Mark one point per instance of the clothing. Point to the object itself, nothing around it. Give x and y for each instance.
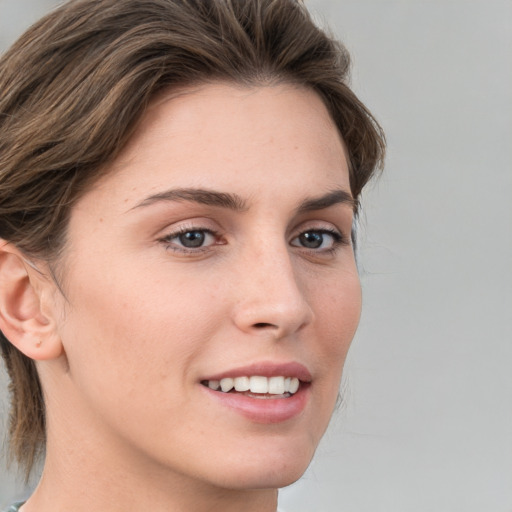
(14, 508)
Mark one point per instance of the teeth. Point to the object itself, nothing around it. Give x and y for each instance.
(213, 384)
(257, 384)
(276, 385)
(294, 385)
(242, 384)
(226, 384)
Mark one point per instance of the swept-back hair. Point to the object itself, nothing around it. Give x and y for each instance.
(74, 87)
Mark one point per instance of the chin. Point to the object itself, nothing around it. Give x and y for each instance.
(270, 472)
(265, 479)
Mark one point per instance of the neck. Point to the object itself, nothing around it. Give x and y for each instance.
(87, 467)
(68, 486)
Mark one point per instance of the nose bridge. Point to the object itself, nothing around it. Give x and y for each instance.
(271, 297)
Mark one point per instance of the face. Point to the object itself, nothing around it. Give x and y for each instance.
(214, 253)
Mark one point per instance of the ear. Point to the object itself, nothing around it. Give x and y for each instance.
(24, 310)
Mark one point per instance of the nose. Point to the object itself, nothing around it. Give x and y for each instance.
(271, 299)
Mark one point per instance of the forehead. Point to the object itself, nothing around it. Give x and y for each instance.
(231, 137)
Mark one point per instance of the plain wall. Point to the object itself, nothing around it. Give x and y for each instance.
(427, 421)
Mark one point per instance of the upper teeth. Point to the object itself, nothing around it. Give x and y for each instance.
(257, 384)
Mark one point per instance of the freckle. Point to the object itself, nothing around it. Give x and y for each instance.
(101, 219)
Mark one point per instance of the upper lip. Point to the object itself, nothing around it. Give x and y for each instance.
(266, 369)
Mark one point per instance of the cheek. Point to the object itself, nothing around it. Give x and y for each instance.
(339, 311)
(128, 348)
(115, 330)
(133, 324)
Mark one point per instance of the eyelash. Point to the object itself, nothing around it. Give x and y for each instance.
(339, 239)
(183, 231)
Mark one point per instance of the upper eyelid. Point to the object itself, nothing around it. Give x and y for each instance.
(186, 229)
(182, 249)
(179, 227)
(169, 237)
(205, 225)
(340, 237)
(318, 225)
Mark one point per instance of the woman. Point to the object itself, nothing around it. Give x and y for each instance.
(178, 185)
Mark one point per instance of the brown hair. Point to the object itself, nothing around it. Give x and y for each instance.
(75, 85)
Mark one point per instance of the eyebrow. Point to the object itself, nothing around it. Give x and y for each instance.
(201, 196)
(236, 203)
(332, 198)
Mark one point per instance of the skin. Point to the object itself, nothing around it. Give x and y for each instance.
(143, 319)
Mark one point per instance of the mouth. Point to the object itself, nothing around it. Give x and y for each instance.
(263, 392)
(257, 386)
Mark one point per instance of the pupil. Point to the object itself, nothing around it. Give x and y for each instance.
(192, 239)
(311, 240)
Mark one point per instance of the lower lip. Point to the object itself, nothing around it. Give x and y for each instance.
(264, 410)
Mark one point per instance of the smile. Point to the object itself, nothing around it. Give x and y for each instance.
(256, 386)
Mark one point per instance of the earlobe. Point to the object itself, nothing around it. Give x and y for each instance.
(22, 320)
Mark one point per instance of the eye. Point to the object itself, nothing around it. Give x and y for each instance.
(189, 239)
(193, 239)
(318, 239)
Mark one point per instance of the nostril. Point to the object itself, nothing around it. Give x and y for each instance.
(263, 325)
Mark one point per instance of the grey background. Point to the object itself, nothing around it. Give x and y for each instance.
(427, 422)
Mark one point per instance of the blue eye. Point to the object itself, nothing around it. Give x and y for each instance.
(190, 239)
(314, 239)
